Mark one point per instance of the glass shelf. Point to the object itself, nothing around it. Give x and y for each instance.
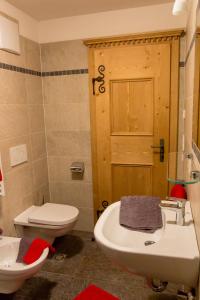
(180, 165)
(183, 182)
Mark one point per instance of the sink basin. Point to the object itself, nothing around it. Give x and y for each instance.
(169, 254)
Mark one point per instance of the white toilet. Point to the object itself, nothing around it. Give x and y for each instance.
(47, 221)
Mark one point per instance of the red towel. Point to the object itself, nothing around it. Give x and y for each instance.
(92, 292)
(35, 250)
(178, 191)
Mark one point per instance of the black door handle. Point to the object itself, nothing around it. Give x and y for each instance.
(162, 150)
(98, 79)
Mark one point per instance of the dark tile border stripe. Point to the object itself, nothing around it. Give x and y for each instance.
(65, 72)
(19, 69)
(42, 74)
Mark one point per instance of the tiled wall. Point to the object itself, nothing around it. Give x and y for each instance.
(22, 122)
(67, 120)
(193, 190)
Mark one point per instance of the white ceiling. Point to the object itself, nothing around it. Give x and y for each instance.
(51, 9)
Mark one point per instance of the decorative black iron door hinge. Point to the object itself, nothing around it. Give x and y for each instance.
(99, 79)
(104, 204)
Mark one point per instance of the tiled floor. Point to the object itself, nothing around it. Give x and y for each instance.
(84, 264)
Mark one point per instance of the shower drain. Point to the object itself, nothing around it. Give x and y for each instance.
(60, 257)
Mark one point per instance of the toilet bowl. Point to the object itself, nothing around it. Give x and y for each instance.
(13, 274)
(47, 221)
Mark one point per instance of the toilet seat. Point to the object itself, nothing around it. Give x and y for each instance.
(53, 214)
(23, 218)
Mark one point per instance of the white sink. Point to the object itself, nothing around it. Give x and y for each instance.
(173, 257)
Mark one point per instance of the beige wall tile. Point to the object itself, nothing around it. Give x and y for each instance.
(11, 208)
(59, 168)
(70, 117)
(189, 73)
(13, 120)
(85, 220)
(22, 122)
(181, 109)
(34, 89)
(62, 117)
(12, 87)
(40, 173)
(64, 89)
(84, 118)
(61, 143)
(68, 143)
(36, 118)
(19, 183)
(193, 190)
(85, 144)
(182, 48)
(32, 55)
(67, 120)
(75, 193)
(27, 201)
(41, 195)
(38, 145)
(64, 55)
(67, 124)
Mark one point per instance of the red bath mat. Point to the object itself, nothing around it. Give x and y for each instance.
(92, 292)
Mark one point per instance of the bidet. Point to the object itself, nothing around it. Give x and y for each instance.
(13, 274)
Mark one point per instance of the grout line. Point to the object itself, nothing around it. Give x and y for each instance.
(196, 151)
(21, 136)
(45, 130)
(190, 47)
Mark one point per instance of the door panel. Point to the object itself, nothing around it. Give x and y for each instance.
(130, 117)
(131, 180)
(131, 104)
(131, 150)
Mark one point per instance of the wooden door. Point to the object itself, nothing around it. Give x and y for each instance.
(131, 117)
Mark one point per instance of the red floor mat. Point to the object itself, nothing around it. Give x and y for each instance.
(92, 292)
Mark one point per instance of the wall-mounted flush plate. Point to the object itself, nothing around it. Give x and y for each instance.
(18, 155)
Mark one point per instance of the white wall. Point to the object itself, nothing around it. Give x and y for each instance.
(28, 27)
(126, 21)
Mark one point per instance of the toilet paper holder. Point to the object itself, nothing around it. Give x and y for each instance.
(77, 167)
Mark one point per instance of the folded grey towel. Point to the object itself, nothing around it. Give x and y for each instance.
(23, 247)
(141, 213)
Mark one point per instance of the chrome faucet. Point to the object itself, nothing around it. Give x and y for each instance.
(177, 205)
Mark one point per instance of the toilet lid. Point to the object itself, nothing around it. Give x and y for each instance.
(54, 214)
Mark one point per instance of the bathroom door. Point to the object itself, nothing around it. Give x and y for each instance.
(131, 115)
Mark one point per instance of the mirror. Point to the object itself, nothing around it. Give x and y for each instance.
(196, 92)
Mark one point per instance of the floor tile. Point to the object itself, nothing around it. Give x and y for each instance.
(83, 263)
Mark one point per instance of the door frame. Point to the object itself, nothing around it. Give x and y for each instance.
(170, 37)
